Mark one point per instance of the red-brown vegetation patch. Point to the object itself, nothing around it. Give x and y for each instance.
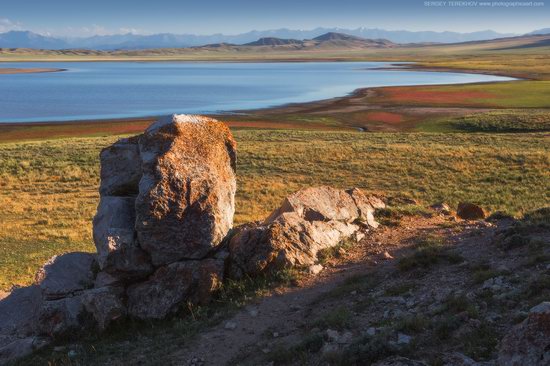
(444, 97)
(385, 117)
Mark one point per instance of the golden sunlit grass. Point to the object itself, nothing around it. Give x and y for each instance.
(48, 189)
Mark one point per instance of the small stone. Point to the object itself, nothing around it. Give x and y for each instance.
(387, 255)
(370, 331)
(403, 338)
(333, 335)
(315, 269)
(230, 325)
(275, 334)
(345, 338)
(72, 353)
(253, 312)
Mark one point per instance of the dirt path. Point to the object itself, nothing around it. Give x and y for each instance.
(281, 316)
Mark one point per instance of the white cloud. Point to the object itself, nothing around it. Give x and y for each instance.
(7, 25)
(95, 30)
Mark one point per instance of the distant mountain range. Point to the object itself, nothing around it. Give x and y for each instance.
(27, 39)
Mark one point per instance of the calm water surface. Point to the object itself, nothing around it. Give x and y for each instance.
(100, 90)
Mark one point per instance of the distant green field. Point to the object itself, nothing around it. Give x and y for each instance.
(48, 189)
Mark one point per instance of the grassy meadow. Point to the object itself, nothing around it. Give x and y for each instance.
(48, 188)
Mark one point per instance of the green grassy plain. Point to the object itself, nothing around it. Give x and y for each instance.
(48, 189)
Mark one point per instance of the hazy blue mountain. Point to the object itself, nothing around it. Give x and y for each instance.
(539, 31)
(25, 39)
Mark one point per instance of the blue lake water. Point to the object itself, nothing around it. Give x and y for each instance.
(101, 90)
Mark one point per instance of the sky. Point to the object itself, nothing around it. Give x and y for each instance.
(90, 17)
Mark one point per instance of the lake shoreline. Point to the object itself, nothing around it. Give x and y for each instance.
(13, 70)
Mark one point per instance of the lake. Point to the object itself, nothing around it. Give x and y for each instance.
(103, 90)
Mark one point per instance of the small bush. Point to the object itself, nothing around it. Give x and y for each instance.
(338, 318)
(365, 351)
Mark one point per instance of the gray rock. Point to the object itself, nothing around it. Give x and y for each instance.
(66, 274)
(528, 343)
(308, 221)
(398, 361)
(105, 279)
(62, 317)
(458, 359)
(12, 348)
(115, 239)
(403, 339)
(120, 168)
(105, 305)
(18, 311)
(172, 286)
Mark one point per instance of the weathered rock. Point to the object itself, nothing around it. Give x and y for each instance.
(120, 168)
(528, 343)
(18, 311)
(115, 239)
(470, 211)
(62, 317)
(458, 359)
(12, 348)
(398, 361)
(105, 279)
(308, 221)
(105, 305)
(327, 203)
(186, 195)
(66, 274)
(172, 286)
(287, 242)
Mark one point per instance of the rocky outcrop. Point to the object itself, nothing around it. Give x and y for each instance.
(528, 343)
(161, 232)
(166, 204)
(307, 222)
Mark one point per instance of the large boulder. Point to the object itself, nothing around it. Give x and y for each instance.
(174, 285)
(118, 252)
(66, 274)
(186, 195)
(166, 195)
(528, 343)
(307, 222)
